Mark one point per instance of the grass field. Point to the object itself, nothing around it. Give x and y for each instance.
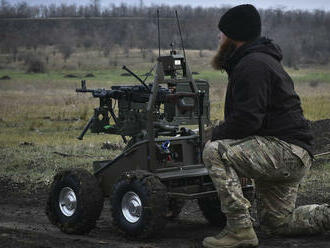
(41, 115)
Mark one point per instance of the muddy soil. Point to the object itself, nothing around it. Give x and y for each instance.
(23, 223)
(321, 133)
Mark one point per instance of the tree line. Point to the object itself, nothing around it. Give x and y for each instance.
(303, 36)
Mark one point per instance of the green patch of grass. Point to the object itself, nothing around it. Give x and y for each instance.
(213, 77)
(311, 75)
(101, 76)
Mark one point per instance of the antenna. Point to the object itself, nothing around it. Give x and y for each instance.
(158, 33)
(177, 19)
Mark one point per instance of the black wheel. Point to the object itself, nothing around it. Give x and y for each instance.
(139, 206)
(211, 209)
(174, 208)
(75, 201)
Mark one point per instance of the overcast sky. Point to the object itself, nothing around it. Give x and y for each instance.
(286, 4)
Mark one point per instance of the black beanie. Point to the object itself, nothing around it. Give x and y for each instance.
(241, 23)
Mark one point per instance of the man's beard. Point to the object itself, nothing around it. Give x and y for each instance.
(220, 60)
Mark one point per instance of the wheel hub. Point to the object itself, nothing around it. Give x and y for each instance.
(67, 201)
(131, 207)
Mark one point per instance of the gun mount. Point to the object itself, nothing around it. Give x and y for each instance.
(176, 100)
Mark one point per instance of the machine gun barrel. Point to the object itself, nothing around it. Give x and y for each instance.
(85, 90)
(83, 87)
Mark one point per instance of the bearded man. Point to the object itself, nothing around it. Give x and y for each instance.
(264, 136)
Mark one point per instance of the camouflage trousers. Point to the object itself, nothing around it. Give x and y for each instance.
(277, 169)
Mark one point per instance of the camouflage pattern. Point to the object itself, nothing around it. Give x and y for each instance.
(277, 169)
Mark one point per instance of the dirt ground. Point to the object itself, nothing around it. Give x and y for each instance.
(23, 223)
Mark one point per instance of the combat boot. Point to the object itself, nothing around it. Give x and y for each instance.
(245, 237)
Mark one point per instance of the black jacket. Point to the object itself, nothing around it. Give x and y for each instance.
(261, 99)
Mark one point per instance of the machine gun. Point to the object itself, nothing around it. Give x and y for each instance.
(132, 104)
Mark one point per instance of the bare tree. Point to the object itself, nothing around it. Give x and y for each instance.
(96, 7)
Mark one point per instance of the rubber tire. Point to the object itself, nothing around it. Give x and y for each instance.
(174, 208)
(211, 209)
(89, 201)
(153, 195)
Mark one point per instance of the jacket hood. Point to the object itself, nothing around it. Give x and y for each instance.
(260, 45)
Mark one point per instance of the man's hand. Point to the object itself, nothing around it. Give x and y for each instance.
(209, 130)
